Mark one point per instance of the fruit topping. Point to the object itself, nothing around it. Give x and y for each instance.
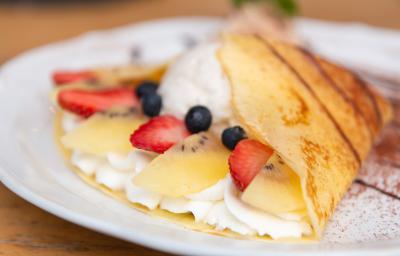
(64, 77)
(151, 104)
(232, 135)
(196, 163)
(198, 119)
(247, 160)
(104, 132)
(146, 87)
(159, 134)
(85, 103)
(276, 189)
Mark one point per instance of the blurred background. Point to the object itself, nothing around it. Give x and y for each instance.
(27, 230)
(28, 23)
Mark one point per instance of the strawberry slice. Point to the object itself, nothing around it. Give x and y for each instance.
(246, 160)
(159, 134)
(64, 77)
(86, 103)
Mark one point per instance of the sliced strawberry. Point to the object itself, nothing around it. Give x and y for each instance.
(86, 103)
(246, 160)
(64, 77)
(159, 134)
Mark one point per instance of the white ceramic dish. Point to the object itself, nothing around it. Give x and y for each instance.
(31, 166)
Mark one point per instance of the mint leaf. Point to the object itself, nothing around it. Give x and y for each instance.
(239, 3)
(287, 7)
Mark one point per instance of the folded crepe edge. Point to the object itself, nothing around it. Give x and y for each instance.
(290, 65)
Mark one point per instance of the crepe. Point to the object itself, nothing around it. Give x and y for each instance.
(320, 118)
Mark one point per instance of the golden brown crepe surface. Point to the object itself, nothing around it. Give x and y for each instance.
(319, 117)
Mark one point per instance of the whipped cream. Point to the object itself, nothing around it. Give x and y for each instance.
(121, 162)
(70, 121)
(221, 218)
(213, 193)
(141, 196)
(87, 163)
(111, 177)
(197, 79)
(199, 209)
(261, 221)
(104, 171)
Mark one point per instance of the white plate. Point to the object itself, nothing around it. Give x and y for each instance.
(31, 166)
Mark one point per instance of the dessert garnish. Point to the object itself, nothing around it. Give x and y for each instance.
(67, 77)
(146, 87)
(86, 103)
(247, 160)
(150, 100)
(232, 135)
(198, 119)
(159, 134)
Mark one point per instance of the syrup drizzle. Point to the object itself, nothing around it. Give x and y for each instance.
(337, 88)
(365, 184)
(371, 97)
(303, 82)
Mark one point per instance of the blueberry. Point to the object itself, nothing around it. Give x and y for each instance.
(146, 87)
(198, 119)
(151, 104)
(232, 135)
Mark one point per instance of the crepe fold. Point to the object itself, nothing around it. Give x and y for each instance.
(319, 117)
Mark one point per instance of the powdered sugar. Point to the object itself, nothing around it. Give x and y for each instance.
(370, 210)
(364, 215)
